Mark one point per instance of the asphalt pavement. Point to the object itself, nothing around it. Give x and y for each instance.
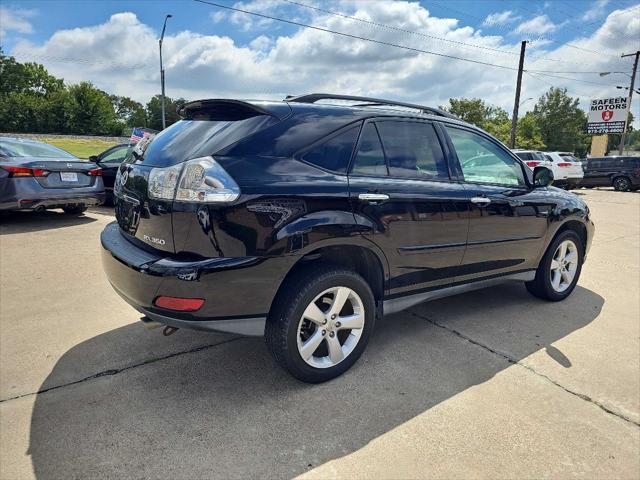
(489, 384)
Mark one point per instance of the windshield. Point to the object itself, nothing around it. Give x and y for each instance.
(17, 148)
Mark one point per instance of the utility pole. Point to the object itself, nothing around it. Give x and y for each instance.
(626, 118)
(164, 122)
(516, 104)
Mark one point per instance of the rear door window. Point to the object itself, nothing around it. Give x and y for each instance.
(412, 149)
(369, 159)
(334, 154)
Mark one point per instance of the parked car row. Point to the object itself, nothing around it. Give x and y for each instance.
(567, 170)
(619, 172)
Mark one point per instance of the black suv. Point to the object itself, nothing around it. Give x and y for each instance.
(304, 222)
(621, 173)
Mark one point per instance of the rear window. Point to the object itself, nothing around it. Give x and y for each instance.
(13, 148)
(189, 139)
(334, 154)
(524, 155)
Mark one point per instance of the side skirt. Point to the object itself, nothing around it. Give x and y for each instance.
(402, 303)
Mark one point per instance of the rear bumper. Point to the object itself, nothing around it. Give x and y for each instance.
(27, 194)
(238, 292)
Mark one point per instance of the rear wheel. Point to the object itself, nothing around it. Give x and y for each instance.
(560, 268)
(621, 184)
(74, 209)
(320, 323)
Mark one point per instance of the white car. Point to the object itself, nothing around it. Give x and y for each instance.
(567, 170)
(533, 158)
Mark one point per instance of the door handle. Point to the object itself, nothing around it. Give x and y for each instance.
(481, 201)
(373, 197)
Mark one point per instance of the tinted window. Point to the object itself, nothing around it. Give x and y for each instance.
(197, 138)
(483, 161)
(412, 149)
(370, 158)
(524, 155)
(632, 162)
(334, 154)
(116, 156)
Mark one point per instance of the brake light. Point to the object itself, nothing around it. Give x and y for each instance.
(179, 304)
(564, 164)
(95, 172)
(532, 163)
(25, 172)
(195, 181)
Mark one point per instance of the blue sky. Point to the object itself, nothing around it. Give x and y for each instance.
(52, 15)
(210, 52)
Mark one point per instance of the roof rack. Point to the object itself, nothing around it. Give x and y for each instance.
(368, 101)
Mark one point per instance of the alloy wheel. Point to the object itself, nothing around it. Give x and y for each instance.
(621, 184)
(564, 266)
(330, 327)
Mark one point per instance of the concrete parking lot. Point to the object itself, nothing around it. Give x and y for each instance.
(491, 384)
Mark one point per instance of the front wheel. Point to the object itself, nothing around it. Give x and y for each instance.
(560, 268)
(320, 323)
(621, 184)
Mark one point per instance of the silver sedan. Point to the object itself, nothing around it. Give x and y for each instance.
(37, 176)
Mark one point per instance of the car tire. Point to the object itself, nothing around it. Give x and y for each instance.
(74, 209)
(294, 329)
(558, 273)
(621, 184)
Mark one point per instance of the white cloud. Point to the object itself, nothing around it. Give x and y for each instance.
(217, 17)
(500, 18)
(15, 20)
(596, 10)
(537, 25)
(201, 66)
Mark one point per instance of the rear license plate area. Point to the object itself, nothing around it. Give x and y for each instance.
(69, 177)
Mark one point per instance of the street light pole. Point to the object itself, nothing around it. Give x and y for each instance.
(164, 26)
(626, 118)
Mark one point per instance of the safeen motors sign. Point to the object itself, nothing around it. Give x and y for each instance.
(607, 115)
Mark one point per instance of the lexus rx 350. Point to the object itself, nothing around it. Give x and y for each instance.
(305, 220)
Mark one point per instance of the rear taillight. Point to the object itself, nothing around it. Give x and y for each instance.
(532, 163)
(199, 180)
(25, 172)
(564, 164)
(95, 172)
(179, 304)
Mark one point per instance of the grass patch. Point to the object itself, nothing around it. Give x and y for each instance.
(81, 148)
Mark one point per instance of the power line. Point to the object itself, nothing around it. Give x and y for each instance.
(349, 35)
(576, 71)
(555, 86)
(37, 57)
(357, 37)
(570, 78)
(398, 29)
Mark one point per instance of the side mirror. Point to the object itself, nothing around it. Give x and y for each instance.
(93, 158)
(542, 177)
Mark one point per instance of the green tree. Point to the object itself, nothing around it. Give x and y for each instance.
(528, 133)
(494, 120)
(92, 112)
(613, 142)
(154, 111)
(561, 121)
(128, 111)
